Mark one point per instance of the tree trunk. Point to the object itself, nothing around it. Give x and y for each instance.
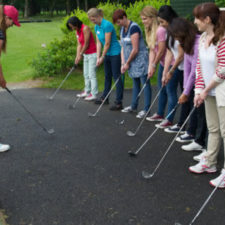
(86, 5)
(78, 3)
(68, 7)
(26, 9)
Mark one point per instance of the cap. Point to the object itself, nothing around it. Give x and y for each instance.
(12, 12)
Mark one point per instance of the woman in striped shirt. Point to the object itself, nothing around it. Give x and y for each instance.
(210, 84)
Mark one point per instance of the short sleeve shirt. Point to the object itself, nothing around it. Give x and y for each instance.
(160, 36)
(134, 29)
(107, 27)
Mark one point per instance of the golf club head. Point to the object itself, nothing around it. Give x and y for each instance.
(50, 98)
(51, 131)
(71, 107)
(132, 154)
(147, 175)
(122, 122)
(130, 133)
(91, 114)
(177, 223)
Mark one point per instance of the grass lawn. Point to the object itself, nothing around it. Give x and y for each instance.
(25, 42)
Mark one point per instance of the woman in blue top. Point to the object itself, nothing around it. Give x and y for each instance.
(134, 57)
(106, 39)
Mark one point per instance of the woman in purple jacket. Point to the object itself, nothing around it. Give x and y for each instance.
(186, 33)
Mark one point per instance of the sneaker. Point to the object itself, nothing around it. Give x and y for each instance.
(174, 129)
(141, 114)
(193, 146)
(90, 97)
(219, 181)
(185, 138)
(116, 107)
(4, 147)
(100, 100)
(155, 117)
(201, 167)
(82, 94)
(200, 156)
(164, 124)
(128, 109)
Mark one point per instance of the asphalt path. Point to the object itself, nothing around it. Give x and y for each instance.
(83, 175)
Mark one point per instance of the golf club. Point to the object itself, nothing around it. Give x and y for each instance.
(148, 175)
(131, 133)
(50, 131)
(68, 74)
(106, 97)
(143, 87)
(73, 106)
(133, 154)
(205, 203)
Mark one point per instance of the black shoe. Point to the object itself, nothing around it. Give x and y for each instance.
(116, 107)
(100, 100)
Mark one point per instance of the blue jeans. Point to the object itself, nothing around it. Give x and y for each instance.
(168, 93)
(112, 65)
(136, 89)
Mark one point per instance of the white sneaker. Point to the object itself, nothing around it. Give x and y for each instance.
(4, 147)
(90, 97)
(127, 109)
(219, 181)
(200, 156)
(141, 114)
(201, 167)
(185, 138)
(193, 146)
(82, 94)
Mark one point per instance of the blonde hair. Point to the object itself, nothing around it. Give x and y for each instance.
(95, 12)
(150, 32)
(3, 26)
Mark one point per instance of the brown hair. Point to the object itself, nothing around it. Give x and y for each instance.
(3, 26)
(217, 17)
(118, 14)
(185, 31)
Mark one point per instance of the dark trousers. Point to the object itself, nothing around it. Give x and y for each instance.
(112, 65)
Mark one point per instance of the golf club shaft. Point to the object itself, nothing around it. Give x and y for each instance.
(139, 149)
(75, 103)
(142, 121)
(206, 201)
(68, 74)
(173, 140)
(117, 80)
(25, 108)
(143, 87)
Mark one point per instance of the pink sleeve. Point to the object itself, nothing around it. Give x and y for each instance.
(161, 34)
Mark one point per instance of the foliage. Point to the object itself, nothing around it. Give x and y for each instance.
(58, 57)
(220, 3)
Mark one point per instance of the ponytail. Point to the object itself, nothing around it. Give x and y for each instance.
(219, 28)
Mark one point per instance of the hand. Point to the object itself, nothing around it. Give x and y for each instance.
(151, 72)
(164, 81)
(204, 94)
(99, 61)
(169, 75)
(2, 82)
(197, 100)
(182, 99)
(78, 59)
(122, 69)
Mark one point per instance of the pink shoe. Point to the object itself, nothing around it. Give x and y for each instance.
(164, 124)
(155, 117)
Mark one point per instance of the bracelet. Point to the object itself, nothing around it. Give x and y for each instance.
(153, 65)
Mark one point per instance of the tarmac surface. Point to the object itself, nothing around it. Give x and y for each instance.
(83, 175)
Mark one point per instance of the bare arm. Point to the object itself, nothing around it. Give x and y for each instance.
(134, 51)
(2, 79)
(87, 35)
(99, 48)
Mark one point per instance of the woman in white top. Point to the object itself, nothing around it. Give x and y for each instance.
(210, 84)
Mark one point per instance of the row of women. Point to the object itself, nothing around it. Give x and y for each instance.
(189, 55)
